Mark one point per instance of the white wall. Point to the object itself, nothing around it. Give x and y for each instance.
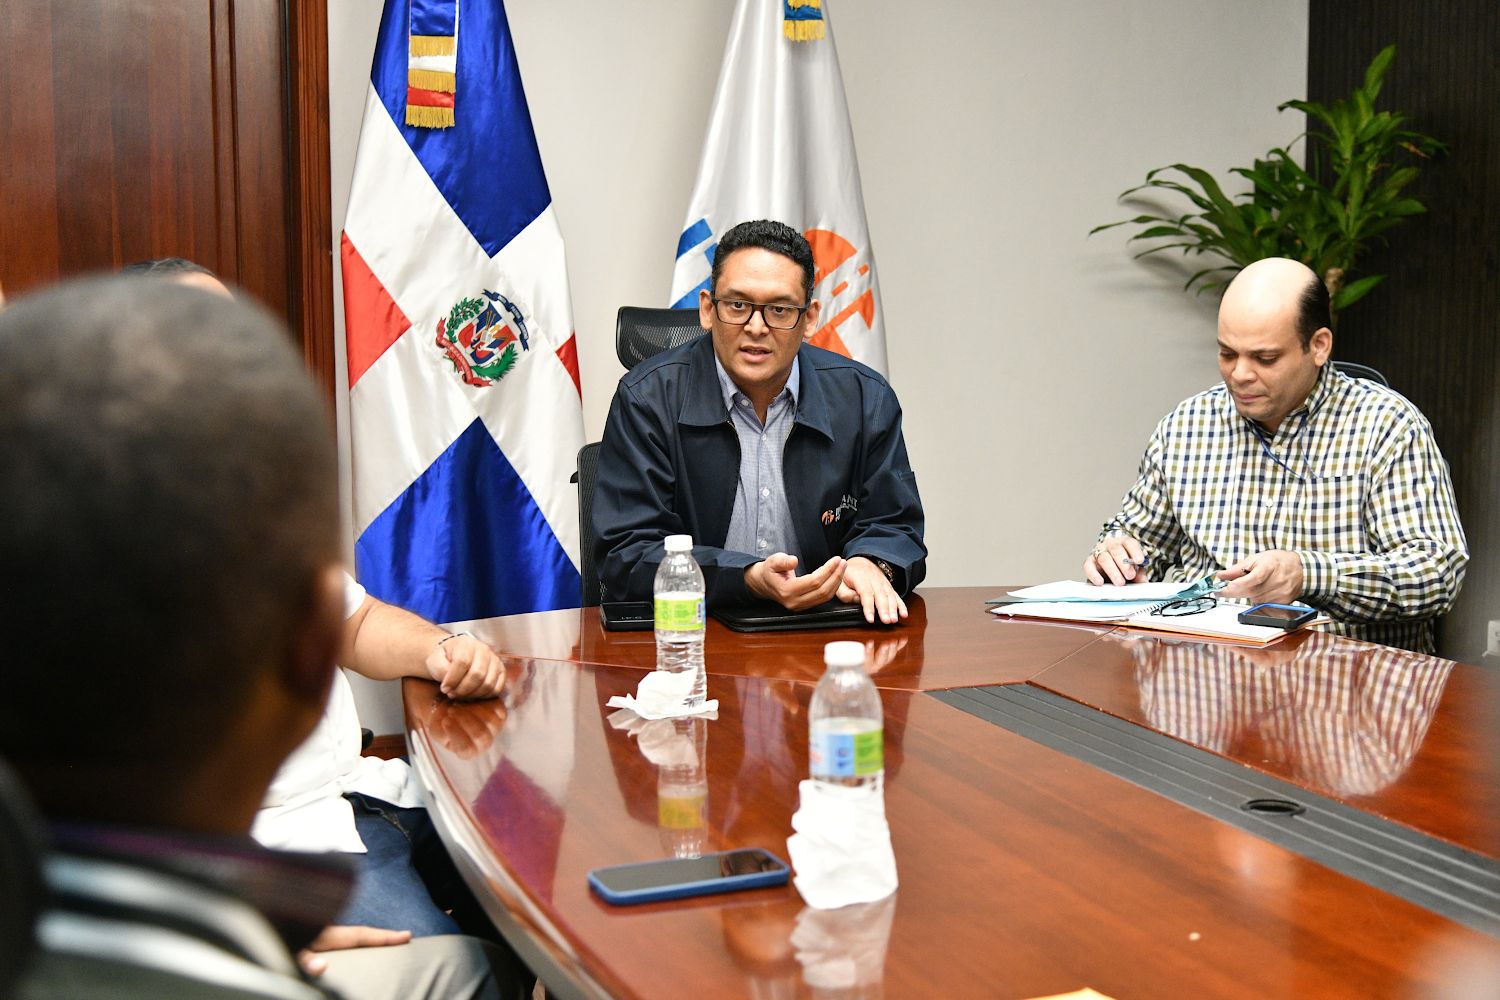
(1032, 362)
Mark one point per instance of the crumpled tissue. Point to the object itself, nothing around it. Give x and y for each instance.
(842, 848)
(663, 695)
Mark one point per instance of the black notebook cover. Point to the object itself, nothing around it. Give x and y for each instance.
(769, 617)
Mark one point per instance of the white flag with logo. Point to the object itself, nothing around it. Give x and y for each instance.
(780, 147)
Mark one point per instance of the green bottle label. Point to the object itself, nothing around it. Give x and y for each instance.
(869, 753)
(680, 614)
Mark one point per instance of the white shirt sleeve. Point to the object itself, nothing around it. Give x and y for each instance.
(354, 595)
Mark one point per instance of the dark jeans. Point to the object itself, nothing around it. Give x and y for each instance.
(406, 880)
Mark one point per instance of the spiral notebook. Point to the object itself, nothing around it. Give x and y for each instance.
(1219, 623)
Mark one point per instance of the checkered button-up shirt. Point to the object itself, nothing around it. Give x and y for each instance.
(1352, 481)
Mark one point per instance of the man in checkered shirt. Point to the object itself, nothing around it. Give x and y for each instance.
(1293, 481)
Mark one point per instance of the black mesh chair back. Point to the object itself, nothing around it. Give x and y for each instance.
(1361, 371)
(588, 471)
(641, 333)
(21, 886)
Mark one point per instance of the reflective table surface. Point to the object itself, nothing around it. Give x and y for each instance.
(1024, 872)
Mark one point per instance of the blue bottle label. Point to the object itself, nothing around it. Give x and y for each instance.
(846, 755)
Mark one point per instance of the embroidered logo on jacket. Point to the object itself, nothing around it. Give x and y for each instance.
(848, 503)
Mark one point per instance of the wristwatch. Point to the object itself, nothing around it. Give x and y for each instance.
(885, 567)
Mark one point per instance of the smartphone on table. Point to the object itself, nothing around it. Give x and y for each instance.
(627, 616)
(1287, 616)
(676, 878)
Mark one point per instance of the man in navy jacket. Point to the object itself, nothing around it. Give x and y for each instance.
(771, 453)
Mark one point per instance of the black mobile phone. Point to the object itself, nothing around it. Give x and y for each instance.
(627, 616)
(1287, 616)
(675, 878)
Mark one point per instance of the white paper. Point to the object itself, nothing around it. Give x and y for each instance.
(1076, 611)
(1079, 590)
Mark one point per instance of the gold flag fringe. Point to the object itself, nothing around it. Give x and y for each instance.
(430, 79)
(425, 116)
(803, 31)
(433, 45)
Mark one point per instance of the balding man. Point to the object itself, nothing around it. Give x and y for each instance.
(1292, 481)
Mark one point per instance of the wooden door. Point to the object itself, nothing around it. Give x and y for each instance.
(157, 128)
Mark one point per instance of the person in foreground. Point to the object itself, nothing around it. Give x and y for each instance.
(327, 796)
(174, 641)
(776, 456)
(1292, 481)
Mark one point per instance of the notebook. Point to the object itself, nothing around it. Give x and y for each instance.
(1219, 623)
(1071, 591)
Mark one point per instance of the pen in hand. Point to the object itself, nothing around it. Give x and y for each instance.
(1117, 561)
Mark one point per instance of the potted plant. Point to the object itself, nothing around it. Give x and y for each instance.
(1359, 163)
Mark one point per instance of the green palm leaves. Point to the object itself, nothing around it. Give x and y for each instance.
(1360, 163)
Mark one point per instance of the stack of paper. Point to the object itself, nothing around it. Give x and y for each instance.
(1135, 606)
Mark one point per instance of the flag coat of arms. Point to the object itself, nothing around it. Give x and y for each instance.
(780, 147)
(464, 399)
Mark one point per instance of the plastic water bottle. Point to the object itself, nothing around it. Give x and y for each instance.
(679, 614)
(846, 745)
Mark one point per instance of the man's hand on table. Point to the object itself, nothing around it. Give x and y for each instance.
(866, 584)
(775, 578)
(466, 668)
(1273, 576)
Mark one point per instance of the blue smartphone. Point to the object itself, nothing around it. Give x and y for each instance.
(676, 878)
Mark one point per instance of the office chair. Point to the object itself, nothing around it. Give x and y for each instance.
(641, 332)
(21, 887)
(1361, 371)
(588, 469)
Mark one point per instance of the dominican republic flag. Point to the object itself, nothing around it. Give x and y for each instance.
(463, 372)
(780, 147)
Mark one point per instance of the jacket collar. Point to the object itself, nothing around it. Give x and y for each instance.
(703, 403)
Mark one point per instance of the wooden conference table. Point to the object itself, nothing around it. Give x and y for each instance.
(1025, 870)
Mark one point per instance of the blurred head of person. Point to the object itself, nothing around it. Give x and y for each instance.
(168, 512)
(181, 271)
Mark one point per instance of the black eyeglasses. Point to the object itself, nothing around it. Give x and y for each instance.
(737, 312)
(1177, 609)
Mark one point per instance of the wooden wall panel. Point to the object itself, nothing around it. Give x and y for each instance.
(160, 128)
(29, 250)
(113, 158)
(261, 167)
(312, 216)
(1434, 326)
